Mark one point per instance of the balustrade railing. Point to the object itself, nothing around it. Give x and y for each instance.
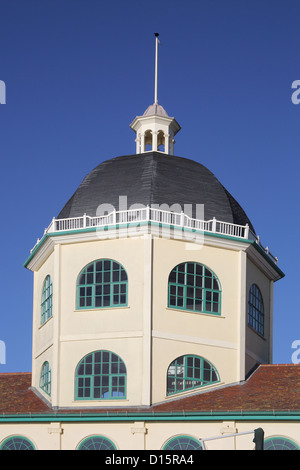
(149, 214)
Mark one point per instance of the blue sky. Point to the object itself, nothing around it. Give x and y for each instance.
(77, 72)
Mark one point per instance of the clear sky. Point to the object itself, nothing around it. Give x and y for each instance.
(77, 72)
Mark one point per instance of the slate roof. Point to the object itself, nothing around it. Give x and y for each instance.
(155, 178)
(274, 388)
(155, 110)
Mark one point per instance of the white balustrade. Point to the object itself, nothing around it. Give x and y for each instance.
(149, 214)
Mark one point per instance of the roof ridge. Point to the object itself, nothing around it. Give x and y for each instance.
(15, 373)
(288, 364)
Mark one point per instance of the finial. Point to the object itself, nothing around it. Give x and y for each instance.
(156, 63)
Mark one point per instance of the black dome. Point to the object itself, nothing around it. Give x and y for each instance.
(154, 178)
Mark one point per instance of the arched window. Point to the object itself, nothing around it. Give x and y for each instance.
(256, 310)
(100, 375)
(148, 141)
(183, 443)
(17, 443)
(161, 141)
(46, 303)
(97, 443)
(45, 379)
(193, 286)
(103, 283)
(188, 372)
(280, 443)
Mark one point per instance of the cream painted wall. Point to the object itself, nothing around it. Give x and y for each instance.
(43, 335)
(129, 349)
(146, 334)
(74, 257)
(258, 348)
(132, 435)
(179, 332)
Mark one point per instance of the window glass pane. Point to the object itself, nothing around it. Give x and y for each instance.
(99, 266)
(190, 292)
(181, 268)
(101, 278)
(183, 443)
(179, 384)
(256, 309)
(198, 306)
(89, 291)
(189, 283)
(107, 265)
(199, 269)
(173, 290)
(123, 288)
(188, 372)
(190, 268)
(101, 375)
(46, 300)
(215, 307)
(106, 289)
(17, 443)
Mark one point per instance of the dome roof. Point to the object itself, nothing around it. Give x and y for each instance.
(154, 178)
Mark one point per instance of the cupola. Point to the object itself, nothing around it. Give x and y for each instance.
(155, 129)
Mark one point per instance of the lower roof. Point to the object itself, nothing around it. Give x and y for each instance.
(271, 388)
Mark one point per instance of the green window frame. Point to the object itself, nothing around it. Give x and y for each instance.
(97, 443)
(189, 372)
(280, 443)
(45, 378)
(101, 375)
(193, 286)
(183, 443)
(17, 443)
(256, 313)
(47, 301)
(102, 284)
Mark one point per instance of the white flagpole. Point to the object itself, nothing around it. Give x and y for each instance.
(156, 67)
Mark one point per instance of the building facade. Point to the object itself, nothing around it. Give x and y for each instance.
(152, 315)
